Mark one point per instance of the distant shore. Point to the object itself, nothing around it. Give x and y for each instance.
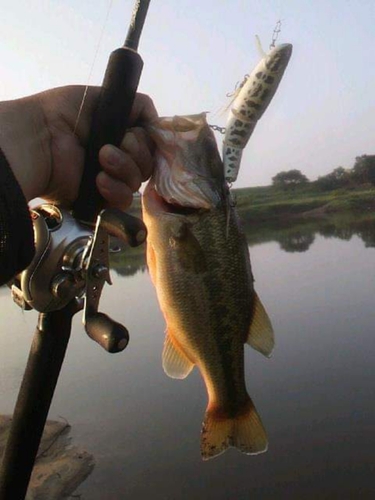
(268, 203)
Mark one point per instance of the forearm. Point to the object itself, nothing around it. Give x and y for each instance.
(24, 139)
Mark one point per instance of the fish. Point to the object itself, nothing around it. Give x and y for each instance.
(249, 104)
(199, 262)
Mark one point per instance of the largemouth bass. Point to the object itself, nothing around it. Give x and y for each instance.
(199, 263)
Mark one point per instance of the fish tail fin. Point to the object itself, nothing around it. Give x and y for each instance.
(244, 432)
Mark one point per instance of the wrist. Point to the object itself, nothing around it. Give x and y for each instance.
(24, 139)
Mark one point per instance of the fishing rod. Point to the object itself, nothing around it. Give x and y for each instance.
(71, 267)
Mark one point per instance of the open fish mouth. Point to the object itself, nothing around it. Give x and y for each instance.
(181, 176)
(179, 187)
(157, 203)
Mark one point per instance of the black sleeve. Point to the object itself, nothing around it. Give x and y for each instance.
(16, 230)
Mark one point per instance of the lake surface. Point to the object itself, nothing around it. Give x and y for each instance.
(315, 395)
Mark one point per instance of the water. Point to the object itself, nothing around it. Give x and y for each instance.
(315, 395)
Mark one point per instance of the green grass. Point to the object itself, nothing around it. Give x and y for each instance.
(262, 203)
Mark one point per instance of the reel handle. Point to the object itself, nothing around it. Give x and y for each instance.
(124, 226)
(109, 334)
(112, 336)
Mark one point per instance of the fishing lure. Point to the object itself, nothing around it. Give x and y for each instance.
(250, 102)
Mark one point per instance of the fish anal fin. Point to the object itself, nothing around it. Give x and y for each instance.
(175, 362)
(260, 336)
(244, 432)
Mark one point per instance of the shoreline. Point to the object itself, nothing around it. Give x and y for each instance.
(266, 204)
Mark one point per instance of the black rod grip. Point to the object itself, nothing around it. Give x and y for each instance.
(109, 124)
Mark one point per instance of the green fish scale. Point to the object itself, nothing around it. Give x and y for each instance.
(213, 300)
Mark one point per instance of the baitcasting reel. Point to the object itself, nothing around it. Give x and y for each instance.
(71, 262)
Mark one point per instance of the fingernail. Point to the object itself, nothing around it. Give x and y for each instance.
(130, 143)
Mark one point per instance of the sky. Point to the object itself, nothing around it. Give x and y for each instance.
(194, 53)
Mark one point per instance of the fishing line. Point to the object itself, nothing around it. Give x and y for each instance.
(92, 66)
(275, 34)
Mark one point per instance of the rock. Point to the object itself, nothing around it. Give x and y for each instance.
(59, 467)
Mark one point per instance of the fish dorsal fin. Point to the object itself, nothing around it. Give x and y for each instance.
(175, 363)
(260, 337)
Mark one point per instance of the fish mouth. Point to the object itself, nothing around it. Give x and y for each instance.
(181, 175)
(180, 188)
(156, 203)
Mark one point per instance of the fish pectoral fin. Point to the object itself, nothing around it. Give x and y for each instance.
(188, 250)
(151, 262)
(175, 363)
(260, 337)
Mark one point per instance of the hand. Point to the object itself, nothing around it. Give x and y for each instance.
(45, 147)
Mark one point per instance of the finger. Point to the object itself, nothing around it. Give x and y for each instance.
(138, 144)
(143, 110)
(121, 166)
(115, 192)
(71, 107)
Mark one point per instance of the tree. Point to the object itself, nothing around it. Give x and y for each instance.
(364, 169)
(289, 179)
(339, 177)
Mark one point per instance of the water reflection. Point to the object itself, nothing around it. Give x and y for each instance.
(293, 236)
(300, 234)
(125, 260)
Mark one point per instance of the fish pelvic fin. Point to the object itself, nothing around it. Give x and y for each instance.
(260, 336)
(175, 363)
(244, 432)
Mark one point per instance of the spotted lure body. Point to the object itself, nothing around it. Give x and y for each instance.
(250, 104)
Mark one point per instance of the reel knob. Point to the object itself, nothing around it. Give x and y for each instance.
(109, 334)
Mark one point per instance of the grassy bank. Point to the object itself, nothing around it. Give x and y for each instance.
(269, 203)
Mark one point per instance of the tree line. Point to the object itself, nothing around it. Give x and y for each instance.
(362, 172)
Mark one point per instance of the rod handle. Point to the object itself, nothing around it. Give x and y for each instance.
(109, 124)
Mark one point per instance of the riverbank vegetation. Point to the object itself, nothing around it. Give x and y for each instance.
(293, 195)
(268, 202)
